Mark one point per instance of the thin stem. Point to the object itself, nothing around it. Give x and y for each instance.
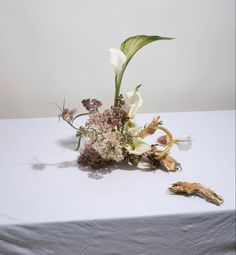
(117, 90)
(79, 115)
(57, 106)
(70, 123)
(118, 80)
(79, 142)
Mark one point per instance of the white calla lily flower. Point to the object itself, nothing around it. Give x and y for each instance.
(132, 128)
(184, 142)
(134, 131)
(133, 101)
(139, 147)
(117, 58)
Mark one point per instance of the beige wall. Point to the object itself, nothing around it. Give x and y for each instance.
(55, 48)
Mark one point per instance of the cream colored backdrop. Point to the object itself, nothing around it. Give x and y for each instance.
(51, 49)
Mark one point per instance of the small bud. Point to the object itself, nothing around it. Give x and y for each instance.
(163, 140)
(68, 114)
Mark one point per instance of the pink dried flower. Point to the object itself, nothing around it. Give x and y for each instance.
(90, 157)
(68, 114)
(109, 119)
(91, 105)
(120, 101)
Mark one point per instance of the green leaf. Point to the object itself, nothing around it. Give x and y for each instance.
(131, 45)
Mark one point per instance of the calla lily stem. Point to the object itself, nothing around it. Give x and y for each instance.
(118, 80)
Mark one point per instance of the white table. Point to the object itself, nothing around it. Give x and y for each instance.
(50, 206)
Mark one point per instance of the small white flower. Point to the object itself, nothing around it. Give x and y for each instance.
(138, 147)
(133, 101)
(184, 142)
(117, 58)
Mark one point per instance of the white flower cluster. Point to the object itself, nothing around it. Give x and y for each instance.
(109, 145)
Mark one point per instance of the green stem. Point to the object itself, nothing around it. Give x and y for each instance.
(72, 125)
(118, 80)
(82, 114)
(79, 115)
(117, 91)
(78, 146)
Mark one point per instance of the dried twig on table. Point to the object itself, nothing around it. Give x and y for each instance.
(197, 189)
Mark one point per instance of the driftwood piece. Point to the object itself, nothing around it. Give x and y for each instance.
(157, 157)
(197, 189)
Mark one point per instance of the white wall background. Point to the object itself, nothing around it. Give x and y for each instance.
(55, 48)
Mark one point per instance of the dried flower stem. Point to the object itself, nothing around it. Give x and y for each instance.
(79, 115)
(72, 125)
(171, 138)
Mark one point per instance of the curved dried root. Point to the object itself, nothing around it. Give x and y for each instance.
(157, 157)
(190, 189)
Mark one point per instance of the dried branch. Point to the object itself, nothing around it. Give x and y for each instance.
(190, 189)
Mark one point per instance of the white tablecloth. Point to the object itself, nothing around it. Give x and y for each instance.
(48, 205)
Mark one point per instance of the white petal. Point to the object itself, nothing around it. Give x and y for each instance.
(140, 147)
(133, 101)
(136, 104)
(134, 131)
(184, 146)
(184, 142)
(132, 128)
(117, 58)
(184, 137)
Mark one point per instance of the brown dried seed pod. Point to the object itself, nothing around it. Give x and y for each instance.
(170, 163)
(151, 128)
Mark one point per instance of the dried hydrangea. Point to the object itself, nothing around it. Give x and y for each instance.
(90, 157)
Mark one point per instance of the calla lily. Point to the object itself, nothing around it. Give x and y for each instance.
(134, 131)
(132, 128)
(117, 58)
(184, 142)
(133, 101)
(138, 147)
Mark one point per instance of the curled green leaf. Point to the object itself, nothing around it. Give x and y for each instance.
(132, 44)
(129, 47)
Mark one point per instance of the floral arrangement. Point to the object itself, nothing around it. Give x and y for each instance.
(112, 136)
